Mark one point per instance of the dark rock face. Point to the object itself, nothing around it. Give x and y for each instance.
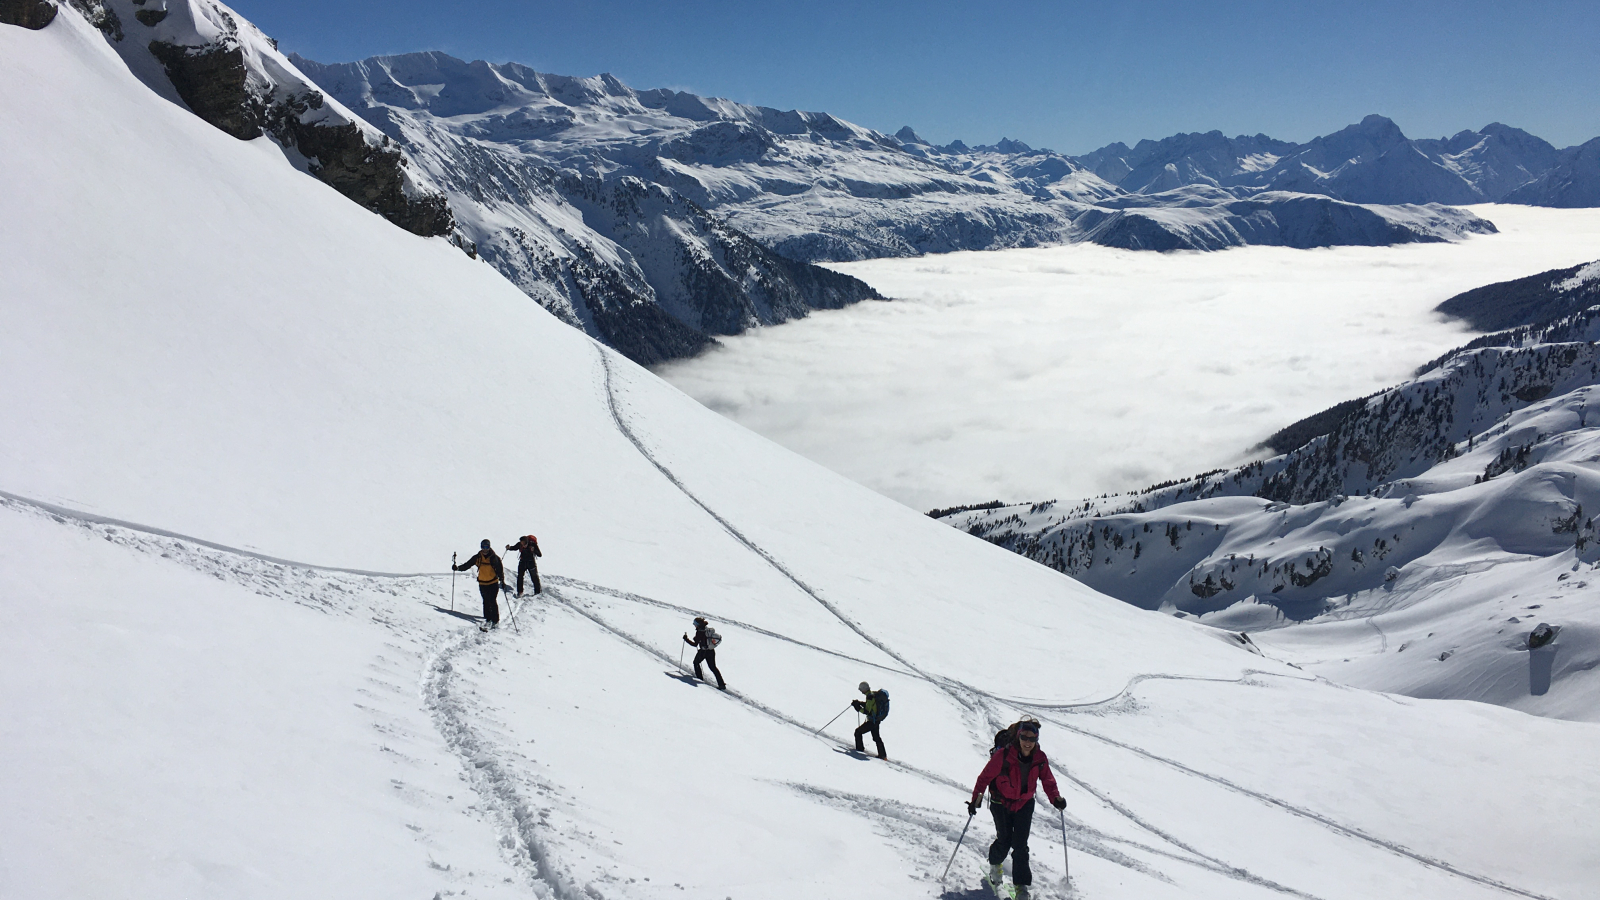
(150, 18)
(214, 83)
(371, 176)
(100, 16)
(30, 14)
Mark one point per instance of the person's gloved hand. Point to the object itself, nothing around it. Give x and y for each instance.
(1059, 803)
(972, 808)
(855, 705)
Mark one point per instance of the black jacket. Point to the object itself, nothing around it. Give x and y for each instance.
(499, 570)
(527, 548)
(700, 639)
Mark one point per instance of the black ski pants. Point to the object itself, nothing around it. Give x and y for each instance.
(709, 657)
(870, 727)
(528, 564)
(491, 608)
(1011, 834)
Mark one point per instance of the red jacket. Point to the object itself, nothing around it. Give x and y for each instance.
(1014, 777)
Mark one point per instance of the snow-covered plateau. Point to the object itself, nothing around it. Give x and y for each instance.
(245, 423)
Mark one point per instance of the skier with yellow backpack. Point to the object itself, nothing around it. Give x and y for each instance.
(491, 578)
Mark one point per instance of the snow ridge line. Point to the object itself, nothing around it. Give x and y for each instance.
(627, 432)
(489, 778)
(1326, 822)
(662, 604)
(93, 519)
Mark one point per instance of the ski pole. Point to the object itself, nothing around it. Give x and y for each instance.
(1066, 873)
(452, 582)
(832, 720)
(512, 606)
(958, 847)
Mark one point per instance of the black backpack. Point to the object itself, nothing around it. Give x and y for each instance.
(1004, 739)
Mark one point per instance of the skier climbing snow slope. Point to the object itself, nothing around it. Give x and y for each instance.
(238, 726)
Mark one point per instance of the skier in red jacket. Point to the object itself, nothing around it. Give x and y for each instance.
(1015, 765)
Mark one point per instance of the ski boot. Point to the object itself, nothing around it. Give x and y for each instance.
(996, 880)
(1019, 892)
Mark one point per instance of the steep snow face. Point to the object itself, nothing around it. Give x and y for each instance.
(295, 379)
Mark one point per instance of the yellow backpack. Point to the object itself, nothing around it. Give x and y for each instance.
(486, 569)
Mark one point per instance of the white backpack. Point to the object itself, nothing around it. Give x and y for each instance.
(712, 638)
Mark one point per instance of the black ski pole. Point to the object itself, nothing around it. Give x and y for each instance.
(1066, 873)
(833, 720)
(452, 582)
(958, 846)
(510, 605)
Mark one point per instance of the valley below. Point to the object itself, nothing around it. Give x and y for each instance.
(1066, 372)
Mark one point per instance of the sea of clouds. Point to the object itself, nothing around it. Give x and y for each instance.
(1071, 371)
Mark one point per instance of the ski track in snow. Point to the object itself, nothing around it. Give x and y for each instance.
(491, 780)
(972, 699)
(309, 584)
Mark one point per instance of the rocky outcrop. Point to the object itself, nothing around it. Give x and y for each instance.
(372, 175)
(214, 83)
(30, 14)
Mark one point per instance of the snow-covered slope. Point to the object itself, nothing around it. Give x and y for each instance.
(1417, 518)
(285, 377)
(203, 56)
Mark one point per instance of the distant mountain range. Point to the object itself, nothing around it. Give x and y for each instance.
(656, 220)
(1370, 162)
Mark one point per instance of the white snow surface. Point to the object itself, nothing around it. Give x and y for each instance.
(1065, 372)
(205, 341)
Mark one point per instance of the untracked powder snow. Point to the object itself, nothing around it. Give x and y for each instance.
(1065, 372)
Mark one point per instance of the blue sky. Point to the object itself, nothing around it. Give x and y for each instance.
(1065, 75)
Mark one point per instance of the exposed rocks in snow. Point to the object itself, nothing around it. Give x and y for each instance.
(30, 14)
(223, 69)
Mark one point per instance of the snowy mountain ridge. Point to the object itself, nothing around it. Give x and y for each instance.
(806, 186)
(1369, 162)
(1422, 507)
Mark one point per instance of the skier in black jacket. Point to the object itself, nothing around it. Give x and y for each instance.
(707, 651)
(527, 561)
(491, 578)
